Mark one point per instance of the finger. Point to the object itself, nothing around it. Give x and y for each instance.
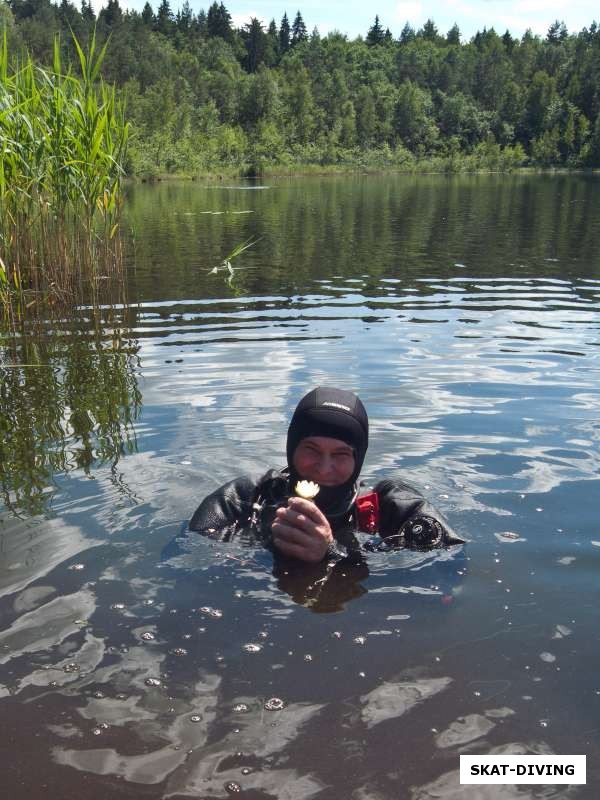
(295, 519)
(297, 551)
(308, 508)
(291, 534)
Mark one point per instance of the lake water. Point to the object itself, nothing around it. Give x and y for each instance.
(465, 313)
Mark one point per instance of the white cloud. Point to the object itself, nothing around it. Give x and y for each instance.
(239, 20)
(411, 11)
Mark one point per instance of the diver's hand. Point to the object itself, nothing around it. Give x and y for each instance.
(301, 530)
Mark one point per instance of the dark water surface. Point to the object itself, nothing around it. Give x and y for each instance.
(465, 312)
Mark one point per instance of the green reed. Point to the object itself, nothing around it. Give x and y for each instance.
(63, 140)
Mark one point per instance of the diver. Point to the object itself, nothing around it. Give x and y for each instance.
(312, 510)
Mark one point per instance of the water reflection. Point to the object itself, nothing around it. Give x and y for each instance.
(69, 398)
(477, 359)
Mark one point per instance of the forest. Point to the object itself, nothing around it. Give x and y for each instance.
(205, 97)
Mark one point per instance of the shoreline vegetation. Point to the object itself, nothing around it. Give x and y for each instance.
(205, 98)
(63, 139)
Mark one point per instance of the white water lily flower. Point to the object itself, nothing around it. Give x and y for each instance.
(307, 489)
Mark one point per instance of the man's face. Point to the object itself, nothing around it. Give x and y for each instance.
(326, 461)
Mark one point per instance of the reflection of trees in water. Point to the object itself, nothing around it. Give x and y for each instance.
(69, 398)
(363, 227)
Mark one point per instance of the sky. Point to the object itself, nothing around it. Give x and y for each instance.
(354, 17)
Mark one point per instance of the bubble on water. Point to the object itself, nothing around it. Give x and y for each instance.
(238, 594)
(232, 787)
(508, 536)
(77, 567)
(336, 635)
(121, 696)
(477, 694)
(246, 771)
(359, 639)
(561, 631)
(100, 728)
(98, 695)
(539, 509)
(196, 718)
(548, 657)
(308, 657)
(71, 667)
(53, 684)
(148, 636)
(252, 648)
(178, 651)
(544, 723)
(118, 606)
(149, 602)
(274, 704)
(240, 708)
(153, 682)
(81, 622)
(263, 635)
(210, 611)
(362, 675)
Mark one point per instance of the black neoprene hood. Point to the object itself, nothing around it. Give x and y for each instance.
(336, 413)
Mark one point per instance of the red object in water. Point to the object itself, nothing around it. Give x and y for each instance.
(367, 508)
(447, 599)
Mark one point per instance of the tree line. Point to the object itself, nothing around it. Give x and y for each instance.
(205, 96)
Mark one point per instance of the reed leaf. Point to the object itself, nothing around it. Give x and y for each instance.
(63, 140)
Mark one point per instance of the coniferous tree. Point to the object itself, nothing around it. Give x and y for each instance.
(557, 33)
(429, 31)
(87, 12)
(218, 22)
(376, 34)
(284, 35)
(271, 56)
(164, 18)
(255, 42)
(111, 15)
(508, 42)
(299, 32)
(199, 24)
(148, 15)
(408, 34)
(453, 35)
(184, 18)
